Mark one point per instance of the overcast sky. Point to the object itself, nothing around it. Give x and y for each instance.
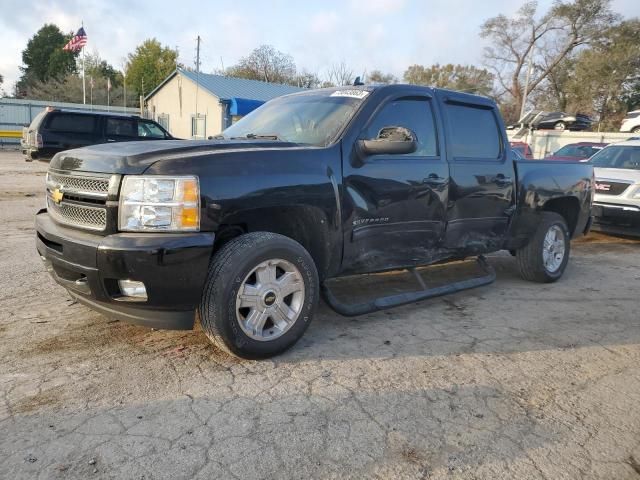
(366, 34)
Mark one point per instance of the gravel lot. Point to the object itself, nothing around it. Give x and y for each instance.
(513, 380)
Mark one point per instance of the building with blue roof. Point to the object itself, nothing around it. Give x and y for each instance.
(199, 105)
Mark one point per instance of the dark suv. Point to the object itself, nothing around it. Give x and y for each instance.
(54, 130)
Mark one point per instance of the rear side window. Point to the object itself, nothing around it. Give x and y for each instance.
(123, 127)
(473, 132)
(71, 122)
(412, 113)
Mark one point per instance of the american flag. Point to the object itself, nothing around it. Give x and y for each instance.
(78, 41)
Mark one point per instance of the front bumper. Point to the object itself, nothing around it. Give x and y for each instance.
(173, 268)
(617, 219)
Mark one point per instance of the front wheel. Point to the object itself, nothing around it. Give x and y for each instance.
(544, 259)
(260, 295)
(560, 126)
(635, 130)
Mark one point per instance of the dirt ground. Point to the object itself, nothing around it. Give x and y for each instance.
(510, 381)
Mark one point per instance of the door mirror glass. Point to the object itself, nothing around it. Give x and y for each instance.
(390, 140)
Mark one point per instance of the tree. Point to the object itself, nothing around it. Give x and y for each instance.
(69, 89)
(150, 64)
(338, 74)
(464, 78)
(43, 58)
(550, 38)
(606, 81)
(266, 64)
(99, 68)
(376, 76)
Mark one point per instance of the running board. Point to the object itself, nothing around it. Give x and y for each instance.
(382, 303)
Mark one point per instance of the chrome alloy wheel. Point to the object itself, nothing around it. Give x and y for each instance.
(553, 249)
(270, 299)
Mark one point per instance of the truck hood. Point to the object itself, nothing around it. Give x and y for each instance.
(135, 157)
(624, 174)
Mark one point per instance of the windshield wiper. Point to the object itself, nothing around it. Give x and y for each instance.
(253, 136)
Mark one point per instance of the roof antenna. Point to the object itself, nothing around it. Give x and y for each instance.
(357, 82)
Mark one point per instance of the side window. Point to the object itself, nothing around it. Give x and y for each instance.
(121, 127)
(414, 114)
(70, 122)
(149, 130)
(473, 131)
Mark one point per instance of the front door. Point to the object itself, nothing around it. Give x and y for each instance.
(394, 205)
(481, 193)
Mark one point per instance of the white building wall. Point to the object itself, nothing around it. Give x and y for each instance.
(177, 99)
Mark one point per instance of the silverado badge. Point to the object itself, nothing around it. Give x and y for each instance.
(57, 195)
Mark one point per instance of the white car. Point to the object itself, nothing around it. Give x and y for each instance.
(616, 204)
(631, 122)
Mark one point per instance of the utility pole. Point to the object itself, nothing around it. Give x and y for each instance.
(197, 82)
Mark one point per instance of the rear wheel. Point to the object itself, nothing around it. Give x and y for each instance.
(545, 257)
(635, 130)
(560, 126)
(260, 295)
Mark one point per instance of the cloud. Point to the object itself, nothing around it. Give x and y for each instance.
(324, 22)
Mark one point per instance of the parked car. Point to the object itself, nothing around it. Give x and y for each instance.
(523, 148)
(562, 121)
(248, 229)
(616, 207)
(631, 122)
(578, 152)
(54, 130)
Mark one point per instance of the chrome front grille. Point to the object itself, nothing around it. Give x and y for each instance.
(91, 218)
(80, 199)
(79, 185)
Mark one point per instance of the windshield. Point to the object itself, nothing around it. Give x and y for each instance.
(312, 119)
(578, 151)
(618, 157)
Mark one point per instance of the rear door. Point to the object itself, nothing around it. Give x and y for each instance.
(120, 129)
(395, 204)
(65, 130)
(481, 193)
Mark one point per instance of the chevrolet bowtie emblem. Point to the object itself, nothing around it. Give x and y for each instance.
(57, 195)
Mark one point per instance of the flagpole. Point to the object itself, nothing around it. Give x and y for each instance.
(84, 88)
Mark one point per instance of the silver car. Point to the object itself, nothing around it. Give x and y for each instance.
(616, 205)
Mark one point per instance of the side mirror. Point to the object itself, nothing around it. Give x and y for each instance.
(390, 141)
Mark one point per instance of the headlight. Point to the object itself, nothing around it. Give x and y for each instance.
(159, 203)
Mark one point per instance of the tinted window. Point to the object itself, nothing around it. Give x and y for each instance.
(473, 132)
(149, 130)
(414, 114)
(70, 122)
(123, 127)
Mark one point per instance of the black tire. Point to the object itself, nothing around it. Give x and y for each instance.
(635, 130)
(228, 270)
(561, 126)
(530, 257)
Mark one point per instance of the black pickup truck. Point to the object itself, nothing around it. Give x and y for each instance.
(245, 230)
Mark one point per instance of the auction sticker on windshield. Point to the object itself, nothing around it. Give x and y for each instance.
(350, 93)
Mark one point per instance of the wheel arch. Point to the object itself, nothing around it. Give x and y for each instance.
(307, 225)
(568, 207)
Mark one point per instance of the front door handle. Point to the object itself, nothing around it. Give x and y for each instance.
(434, 179)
